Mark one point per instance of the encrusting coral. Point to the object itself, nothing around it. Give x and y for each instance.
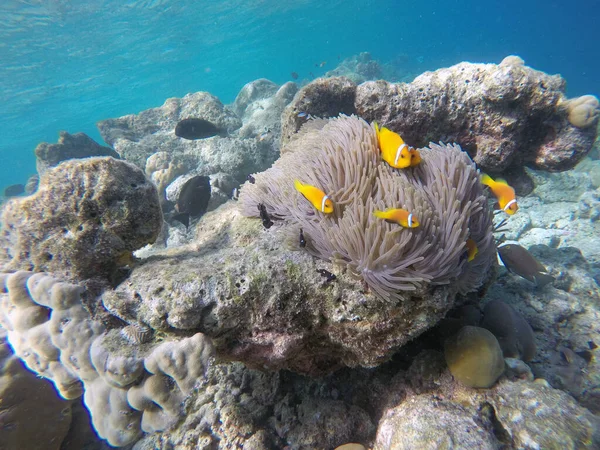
(342, 158)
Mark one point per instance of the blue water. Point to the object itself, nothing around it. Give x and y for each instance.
(65, 64)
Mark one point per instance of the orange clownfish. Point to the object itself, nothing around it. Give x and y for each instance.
(399, 216)
(316, 196)
(415, 157)
(503, 192)
(394, 150)
(472, 250)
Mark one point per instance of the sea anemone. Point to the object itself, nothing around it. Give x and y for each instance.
(342, 158)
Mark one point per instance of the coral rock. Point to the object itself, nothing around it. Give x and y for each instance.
(421, 422)
(135, 137)
(324, 97)
(69, 146)
(127, 387)
(504, 115)
(85, 216)
(583, 111)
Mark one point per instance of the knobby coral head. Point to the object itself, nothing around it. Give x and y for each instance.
(341, 157)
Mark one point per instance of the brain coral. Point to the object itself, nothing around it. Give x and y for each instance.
(341, 157)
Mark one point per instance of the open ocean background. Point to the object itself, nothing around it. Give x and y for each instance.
(65, 64)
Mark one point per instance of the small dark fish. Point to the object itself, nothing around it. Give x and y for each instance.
(251, 179)
(302, 241)
(304, 115)
(586, 355)
(294, 75)
(329, 277)
(193, 198)
(183, 218)
(312, 75)
(14, 189)
(195, 129)
(235, 194)
(592, 345)
(264, 216)
(520, 261)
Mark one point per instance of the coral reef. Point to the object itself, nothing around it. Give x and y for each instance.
(301, 322)
(413, 407)
(86, 218)
(247, 142)
(164, 356)
(135, 137)
(504, 115)
(259, 104)
(343, 159)
(127, 388)
(69, 146)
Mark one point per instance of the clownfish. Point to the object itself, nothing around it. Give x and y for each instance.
(472, 250)
(399, 216)
(503, 192)
(415, 157)
(394, 150)
(316, 196)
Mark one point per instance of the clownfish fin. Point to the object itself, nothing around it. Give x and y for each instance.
(501, 181)
(486, 179)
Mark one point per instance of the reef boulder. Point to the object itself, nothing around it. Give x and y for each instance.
(69, 146)
(504, 115)
(136, 136)
(84, 221)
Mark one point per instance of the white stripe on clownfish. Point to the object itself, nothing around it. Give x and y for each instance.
(509, 204)
(399, 152)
